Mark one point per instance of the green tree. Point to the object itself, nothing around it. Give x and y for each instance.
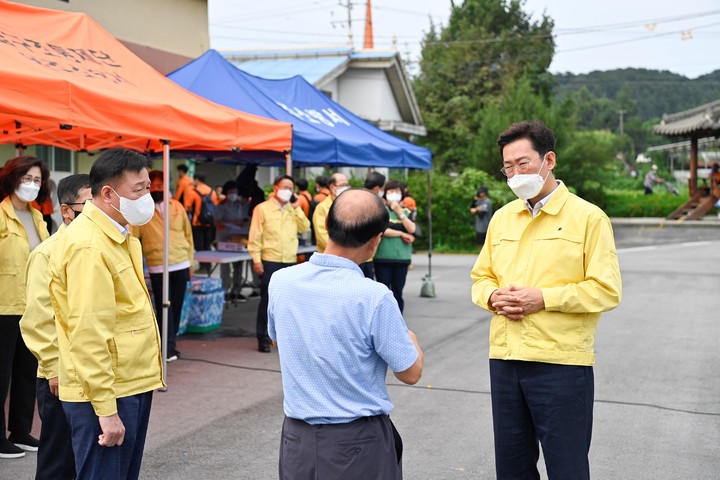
(488, 49)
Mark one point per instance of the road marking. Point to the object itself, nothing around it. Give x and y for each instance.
(637, 249)
(696, 244)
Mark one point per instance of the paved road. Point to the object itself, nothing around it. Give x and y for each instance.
(657, 412)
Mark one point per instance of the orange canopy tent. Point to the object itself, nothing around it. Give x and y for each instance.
(65, 81)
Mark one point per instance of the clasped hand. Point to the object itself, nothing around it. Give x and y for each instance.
(516, 302)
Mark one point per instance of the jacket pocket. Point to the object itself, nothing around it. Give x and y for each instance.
(9, 288)
(135, 353)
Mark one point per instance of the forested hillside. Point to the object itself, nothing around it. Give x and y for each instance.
(654, 92)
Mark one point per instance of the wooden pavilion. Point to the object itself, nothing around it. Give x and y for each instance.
(694, 124)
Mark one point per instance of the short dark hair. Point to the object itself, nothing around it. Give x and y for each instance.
(374, 179)
(183, 168)
(230, 185)
(395, 185)
(322, 180)
(280, 178)
(482, 189)
(154, 174)
(111, 166)
(302, 184)
(540, 136)
(200, 177)
(68, 189)
(16, 168)
(352, 227)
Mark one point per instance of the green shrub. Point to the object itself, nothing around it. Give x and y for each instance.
(624, 203)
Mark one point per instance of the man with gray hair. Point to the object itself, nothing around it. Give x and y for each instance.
(55, 459)
(334, 362)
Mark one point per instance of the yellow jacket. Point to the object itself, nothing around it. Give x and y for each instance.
(38, 322)
(319, 220)
(152, 237)
(568, 251)
(274, 231)
(14, 252)
(107, 333)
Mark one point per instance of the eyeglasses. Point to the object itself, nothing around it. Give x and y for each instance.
(521, 167)
(29, 178)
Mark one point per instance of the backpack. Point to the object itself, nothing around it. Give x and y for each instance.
(207, 209)
(311, 212)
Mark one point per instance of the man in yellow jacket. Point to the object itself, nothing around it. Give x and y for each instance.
(180, 257)
(55, 455)
(547, 270)
(273, 243)
(107, 335)
(338, 183)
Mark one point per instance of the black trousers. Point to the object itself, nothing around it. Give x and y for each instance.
(393, 275)
(18, 371)
(55, 460)
(177, 282)
(202, 238)
(261, 324)
(367, 448)
(368, 269)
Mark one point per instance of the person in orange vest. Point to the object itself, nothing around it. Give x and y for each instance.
(184, 183)
(46, 208)
(203, 228)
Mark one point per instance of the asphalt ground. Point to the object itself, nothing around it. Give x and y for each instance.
(657, 378)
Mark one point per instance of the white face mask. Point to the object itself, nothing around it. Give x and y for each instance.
(284, 195)
(381, 193)
(232, 197)
(137, 212)
(527, 185)
(394, 197)
(341, 190)
(27, 192)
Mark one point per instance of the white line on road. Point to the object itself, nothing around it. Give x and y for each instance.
(696, 244)
(636, 249)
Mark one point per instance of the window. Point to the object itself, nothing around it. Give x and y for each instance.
(57, 159)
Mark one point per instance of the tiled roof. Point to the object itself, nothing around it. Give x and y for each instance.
(702, 120)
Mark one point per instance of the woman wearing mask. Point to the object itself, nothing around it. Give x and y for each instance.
(182, 252)
(22, 228)
(395, 250)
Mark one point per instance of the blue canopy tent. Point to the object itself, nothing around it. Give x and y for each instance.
(324, 133)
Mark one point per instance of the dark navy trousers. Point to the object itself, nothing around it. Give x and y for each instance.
(122, 462)
(541, 403)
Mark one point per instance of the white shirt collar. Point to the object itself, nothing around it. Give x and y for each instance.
(541, 203)
(122, 229)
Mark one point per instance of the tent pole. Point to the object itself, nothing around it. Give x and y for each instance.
(288, 163)
(428, 287)
(166, 256)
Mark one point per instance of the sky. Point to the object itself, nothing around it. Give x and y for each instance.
(680, 36)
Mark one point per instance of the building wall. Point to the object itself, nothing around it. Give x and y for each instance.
(367, 93)
(179, 27)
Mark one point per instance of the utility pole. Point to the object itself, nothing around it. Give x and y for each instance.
(622, 123)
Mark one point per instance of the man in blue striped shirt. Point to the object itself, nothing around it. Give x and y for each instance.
(337, 334)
